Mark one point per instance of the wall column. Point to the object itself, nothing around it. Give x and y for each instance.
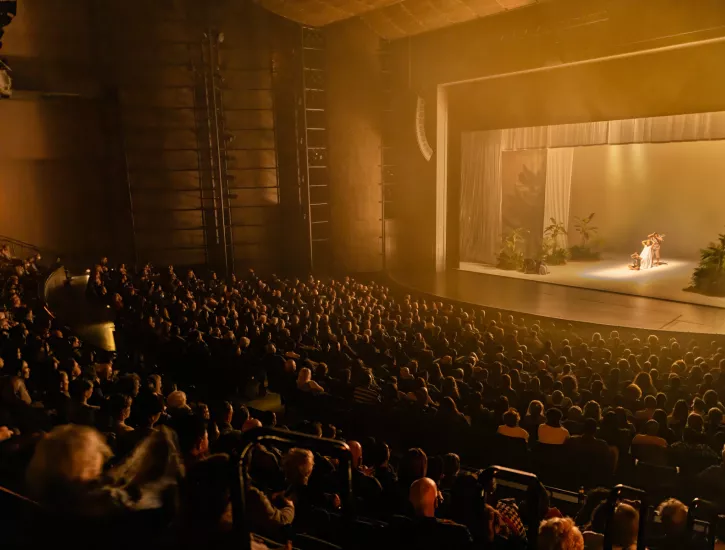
(354, 143)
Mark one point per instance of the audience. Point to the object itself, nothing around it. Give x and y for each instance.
(394, 375)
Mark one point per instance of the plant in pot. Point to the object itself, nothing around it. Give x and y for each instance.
(586, 230)
(553, 253)
(510, 257)
(709, 275)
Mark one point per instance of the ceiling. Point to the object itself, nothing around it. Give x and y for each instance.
(391, 19)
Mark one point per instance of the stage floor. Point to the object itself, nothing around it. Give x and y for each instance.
(664, 282)
(529, 295)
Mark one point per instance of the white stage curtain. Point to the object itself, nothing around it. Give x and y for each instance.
(688, 127)
(559, 163)
(480, 212)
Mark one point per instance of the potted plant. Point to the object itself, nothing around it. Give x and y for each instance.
(584, 251)
(709, 275)
(510, 257)
(552, 252)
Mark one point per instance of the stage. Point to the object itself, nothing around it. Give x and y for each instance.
(665, 282)
(529, 294)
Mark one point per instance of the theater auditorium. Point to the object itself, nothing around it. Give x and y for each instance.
(362, 274)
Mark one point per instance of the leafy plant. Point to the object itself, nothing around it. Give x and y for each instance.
(584, 227)
(553, 231)
(584, 251)
(551, 253)
(709, 275)
(557, 257)
(510, 257)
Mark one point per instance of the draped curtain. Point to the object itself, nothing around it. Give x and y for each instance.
(480, 213)
(558, 188)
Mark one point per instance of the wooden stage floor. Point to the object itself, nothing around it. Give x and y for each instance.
(571, 303)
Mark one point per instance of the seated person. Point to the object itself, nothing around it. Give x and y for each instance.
(552, 433)
(559, 534)
(424, 531)
(650, 435)
(510, 426)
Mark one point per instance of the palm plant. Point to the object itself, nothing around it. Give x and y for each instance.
(584, 228)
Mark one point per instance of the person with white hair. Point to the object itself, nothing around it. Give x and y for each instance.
(176, 404)
(66, 474)
(306, 384)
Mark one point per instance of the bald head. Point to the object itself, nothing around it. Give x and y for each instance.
(423, 495)
(355, 453)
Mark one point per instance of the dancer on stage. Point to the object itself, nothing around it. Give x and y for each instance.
(656, 243)
(645, 257)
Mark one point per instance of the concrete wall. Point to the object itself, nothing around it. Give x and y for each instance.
(354, 104)
(53, 156)
(67, 165)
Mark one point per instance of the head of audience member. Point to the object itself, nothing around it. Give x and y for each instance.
(673, 515)
(590, 428)
(425, 497)
(592, 410)
(553, 417)
(356, 453)
(511, 418)
(176, 403)
(67, 456)
(652, 427)
(413, 465)
(451, 465)
(297, 466)
(193, 437)
(625, 526)
(559, 534)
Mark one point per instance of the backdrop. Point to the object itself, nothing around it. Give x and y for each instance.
(523, 178)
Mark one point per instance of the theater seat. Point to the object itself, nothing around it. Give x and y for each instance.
(511, 452)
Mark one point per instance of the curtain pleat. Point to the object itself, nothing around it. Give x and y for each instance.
(558, 188)
(480, 214)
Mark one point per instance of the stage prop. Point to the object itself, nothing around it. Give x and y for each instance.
(709, 276)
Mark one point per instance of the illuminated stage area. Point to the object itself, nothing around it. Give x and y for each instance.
(592, 201)
(663, 282)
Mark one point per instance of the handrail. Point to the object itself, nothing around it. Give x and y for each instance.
(532, 497)
(17, 242)
(332, 447)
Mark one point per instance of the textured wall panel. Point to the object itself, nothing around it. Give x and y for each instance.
(354, 128)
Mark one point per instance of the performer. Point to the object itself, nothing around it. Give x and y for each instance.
(645, 257)
(656, 243)
(636, 261)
